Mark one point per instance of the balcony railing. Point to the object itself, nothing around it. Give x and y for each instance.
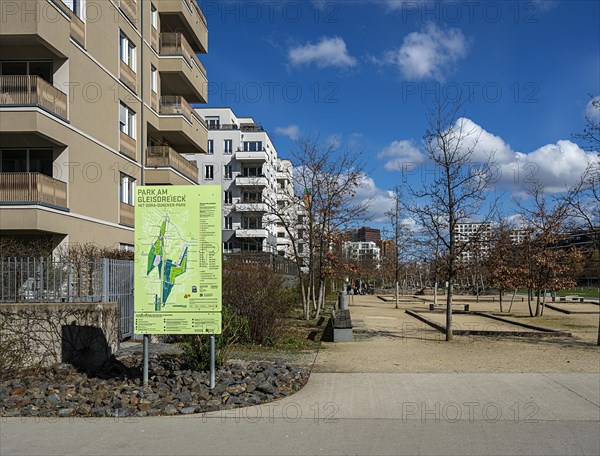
(198, 10)
(174, 105)
(32, 90)
(126, 214)
(223, 127)
(127, 75)
(174, 43)
(129, 8)
(161, 156)
(32, 188)
(127, 145)
(77, 29)
(154, 38)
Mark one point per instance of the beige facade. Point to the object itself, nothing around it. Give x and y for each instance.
(76, 128)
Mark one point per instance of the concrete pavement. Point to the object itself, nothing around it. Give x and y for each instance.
(353, 414)
(370, 408)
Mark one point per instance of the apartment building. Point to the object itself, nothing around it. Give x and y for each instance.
(476, 237)
(94, 100)
(361, 251)
(243, 160)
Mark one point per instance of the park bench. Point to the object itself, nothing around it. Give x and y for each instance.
(466, 307)
(342, 325)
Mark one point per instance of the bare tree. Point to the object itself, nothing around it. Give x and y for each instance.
(583, 203)
(590, 136)
(326, 178)
(458, 191)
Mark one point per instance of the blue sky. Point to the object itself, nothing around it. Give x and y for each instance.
(366, 71)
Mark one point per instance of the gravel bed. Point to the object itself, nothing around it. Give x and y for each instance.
(116, 389)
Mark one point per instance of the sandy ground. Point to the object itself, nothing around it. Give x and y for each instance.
(389, 340)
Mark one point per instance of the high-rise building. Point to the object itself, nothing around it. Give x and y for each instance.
(94, 100)
(366, 234)
(243, 160)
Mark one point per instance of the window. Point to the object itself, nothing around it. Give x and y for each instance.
(228, 247)
(281, 234)
(251, 197)
(300, 248)
(127, 189)
(228, 172)
(300, 234)
(252, 146)
(209, 172)
(300, 219)
(211, 146)
(127, 51)
(153, 79)
(252, 171)
(26, 161)
(153, 16)
(229, 223)
(213, 123)
(228, 197)
(127, 120)
(77, 6)
(251, 223)
(228, 146)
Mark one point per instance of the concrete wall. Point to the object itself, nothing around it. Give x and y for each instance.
(42, 334)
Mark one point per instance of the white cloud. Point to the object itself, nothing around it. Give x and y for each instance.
(399, 153)
(545, 5)
(328, 52)
(291, 131)
(380, 201)
(431, 53)
(556, 166)
(592, 110)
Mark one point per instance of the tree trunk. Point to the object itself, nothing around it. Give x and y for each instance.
(512, 300)
(449, 335)
(529, 293)
(435, 292)
(501, 310)
(537, 303)
(397, 297)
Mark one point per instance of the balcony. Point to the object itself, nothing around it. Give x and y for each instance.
(180, 126)
(127, 76)
(127, 145)
(126, 214)
(251, 233)
(256, 182)
(217, 126)
(185, 15)
(167, 157)
(181, 69)
(251, 207)
(251, 157)
(32, 91)
(129, 9)
(32, 188)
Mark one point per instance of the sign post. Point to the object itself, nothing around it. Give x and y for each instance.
(178, 288)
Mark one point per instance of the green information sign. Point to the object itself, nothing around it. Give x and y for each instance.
(178, 260)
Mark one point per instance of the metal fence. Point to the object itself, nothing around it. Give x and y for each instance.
(49, 280)
(280, 265)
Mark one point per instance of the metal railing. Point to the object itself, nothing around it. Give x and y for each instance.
(32, 90)
(223, 127)
(175, 105)
(49, 280)
(167, 156)
(32, 188)
(129, 8)
(175, 43)
(279, 264)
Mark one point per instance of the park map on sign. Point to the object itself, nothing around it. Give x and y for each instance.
(178, 260)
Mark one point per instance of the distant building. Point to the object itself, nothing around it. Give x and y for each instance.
(365, 234)
(387, 248)
(361, 251)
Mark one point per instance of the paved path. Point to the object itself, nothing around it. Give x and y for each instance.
(383, 413)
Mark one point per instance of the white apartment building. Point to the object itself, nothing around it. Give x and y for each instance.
(362, 251)
(478, 234)
(243, 160)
